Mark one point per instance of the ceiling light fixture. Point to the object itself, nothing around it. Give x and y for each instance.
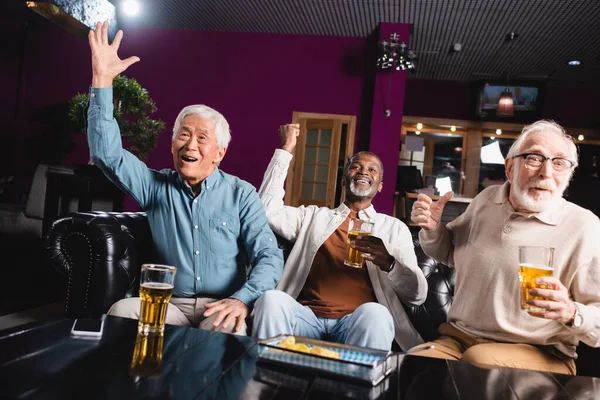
(394, 55)
(580, 138)
(419, 126)
(506, 104)
(131, 7)
(574, 62)
(498, 132)
(417, 132)
(453, 128)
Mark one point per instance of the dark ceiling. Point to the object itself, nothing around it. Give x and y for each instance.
(550, 32)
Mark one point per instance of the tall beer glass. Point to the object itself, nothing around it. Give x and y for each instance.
(156, 288)
(147, 354)
(356, 228)
(534, 262)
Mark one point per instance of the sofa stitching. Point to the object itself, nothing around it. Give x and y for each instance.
(70, 268)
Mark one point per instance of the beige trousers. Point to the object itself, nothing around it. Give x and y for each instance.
(181, 311)
(453, 344)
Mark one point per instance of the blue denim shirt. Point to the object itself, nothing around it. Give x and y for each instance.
(204, 237)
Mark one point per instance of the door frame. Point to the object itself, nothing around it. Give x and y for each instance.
(299, 118)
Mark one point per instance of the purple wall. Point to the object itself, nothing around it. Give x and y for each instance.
(437, 99)
(255, 80)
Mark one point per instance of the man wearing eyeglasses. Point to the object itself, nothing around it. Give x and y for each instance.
(485, 324)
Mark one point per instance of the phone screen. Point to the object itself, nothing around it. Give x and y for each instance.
(88, 325)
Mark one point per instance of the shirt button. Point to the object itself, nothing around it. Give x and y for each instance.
(270, 239)
(506, 229)
(197, 278)
(224, 223)
(195, 201)
(195, 226)
(93, 94)
(197, 252)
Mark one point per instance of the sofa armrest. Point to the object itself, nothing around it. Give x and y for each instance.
(441, 280)
(100, 254)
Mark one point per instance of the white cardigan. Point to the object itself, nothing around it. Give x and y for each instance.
(309, 227)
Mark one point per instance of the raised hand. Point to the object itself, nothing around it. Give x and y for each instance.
(106, 63)
(427, 214)
(289, 136)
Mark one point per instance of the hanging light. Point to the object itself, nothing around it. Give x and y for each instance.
(580, 137)
(498, 131)
(453, 128)
(419, 126)
(506, 104)
(418, 132)
(395, 55)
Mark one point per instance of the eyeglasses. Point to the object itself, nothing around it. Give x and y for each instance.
(535, 162)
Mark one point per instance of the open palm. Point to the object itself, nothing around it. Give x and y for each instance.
(106, 63)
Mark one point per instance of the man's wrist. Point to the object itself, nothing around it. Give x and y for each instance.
(389, 267)
(100, 82)
(288, 147)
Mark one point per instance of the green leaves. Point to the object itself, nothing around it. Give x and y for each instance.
(132, 110)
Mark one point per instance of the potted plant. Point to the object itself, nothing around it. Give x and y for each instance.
(132, 109)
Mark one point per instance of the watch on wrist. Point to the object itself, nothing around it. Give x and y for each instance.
(577, 319)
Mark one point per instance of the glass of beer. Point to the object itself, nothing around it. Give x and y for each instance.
(356, 228)
(147, 354)
(156, 288)
(534, 262)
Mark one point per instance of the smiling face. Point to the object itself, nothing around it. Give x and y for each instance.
(363, 178)
(195, 150)
(535, 190)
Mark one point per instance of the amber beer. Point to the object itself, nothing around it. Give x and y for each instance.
(356, 228)
(147, 354)
(156, 289)
(534, 262)
(155, 299)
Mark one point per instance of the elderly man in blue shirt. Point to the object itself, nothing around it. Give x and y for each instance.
(202, 219)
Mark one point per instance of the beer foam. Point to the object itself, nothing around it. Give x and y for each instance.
(157, 285)
(536, 266)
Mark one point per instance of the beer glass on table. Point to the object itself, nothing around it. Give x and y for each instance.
(357, 227)
(156, 288)
(534, 262)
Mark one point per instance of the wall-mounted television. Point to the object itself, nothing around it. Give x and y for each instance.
(526, 97)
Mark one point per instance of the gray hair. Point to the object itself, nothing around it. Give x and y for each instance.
(351, 160)
(544, 127)
(201, 111)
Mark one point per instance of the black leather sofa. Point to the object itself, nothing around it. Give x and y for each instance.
(100, 255)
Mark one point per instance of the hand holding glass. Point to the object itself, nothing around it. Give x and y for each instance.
(356, 228)
(156, 288)
(534, 262)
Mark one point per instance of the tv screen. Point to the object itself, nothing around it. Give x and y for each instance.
(525, 97)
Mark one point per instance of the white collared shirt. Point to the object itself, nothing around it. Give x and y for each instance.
(308, 227)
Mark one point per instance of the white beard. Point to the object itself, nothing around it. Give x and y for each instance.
(358, 192)
(527, 202)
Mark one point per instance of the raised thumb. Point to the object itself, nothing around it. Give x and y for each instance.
(445, 198)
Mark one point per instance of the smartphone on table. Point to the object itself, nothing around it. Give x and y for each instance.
(88, 327)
